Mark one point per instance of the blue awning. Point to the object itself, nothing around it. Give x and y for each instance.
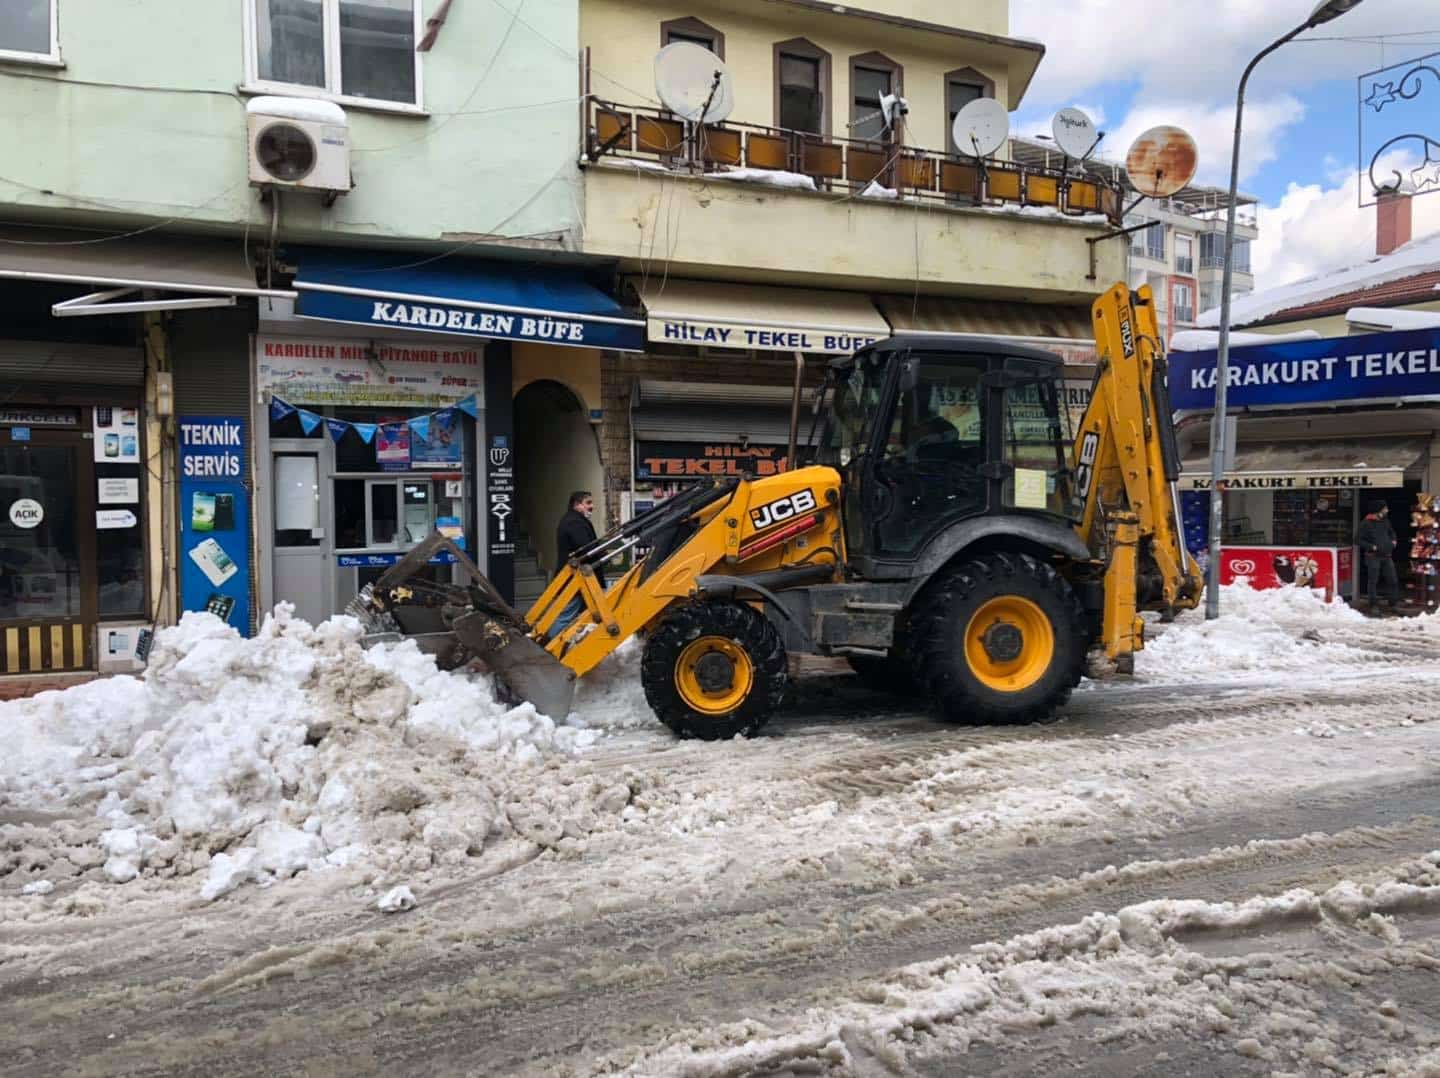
(462, 297)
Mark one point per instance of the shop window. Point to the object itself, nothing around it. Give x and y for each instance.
(802, 86)
(357, 49)
(384, 514)
(872, 76)
(695, 32)
(28, 30)
(961, 88)
(120, 552)
(40, 564)
(297, 499)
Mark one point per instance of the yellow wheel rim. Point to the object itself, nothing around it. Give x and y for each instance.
(1009, 643)
(714, 675)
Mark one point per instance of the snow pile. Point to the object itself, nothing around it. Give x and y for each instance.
(1117, 976)
(1416, 257)
(876, 189)
(1257, 631)
(768, 177)
(253, 760)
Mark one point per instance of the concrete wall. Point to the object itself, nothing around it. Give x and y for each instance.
(145, 120)
(708, 228)
(578, 369)
(623, 36)
(556, 452)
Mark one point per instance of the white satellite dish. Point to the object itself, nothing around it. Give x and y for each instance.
(981, 127)
(1074, 133)
(694, 83)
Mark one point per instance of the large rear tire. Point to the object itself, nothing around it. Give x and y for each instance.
(999, 639)
(713, 670)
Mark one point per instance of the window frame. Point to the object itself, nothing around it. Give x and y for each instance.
(42, 59)
(1188, 241)
(330, 15)
(690, 27)
(967, 76)
(804, 48)
(872, 61)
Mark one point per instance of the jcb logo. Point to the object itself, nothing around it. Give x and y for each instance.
(784, 509)
(1085, 474)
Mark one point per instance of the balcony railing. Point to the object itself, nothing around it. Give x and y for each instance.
(648, 134)
(1184, 264)
(1184, 314)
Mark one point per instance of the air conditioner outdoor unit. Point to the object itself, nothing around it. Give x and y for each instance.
(298, 144)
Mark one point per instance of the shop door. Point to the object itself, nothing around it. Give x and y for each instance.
(304, 563)
(47, 553)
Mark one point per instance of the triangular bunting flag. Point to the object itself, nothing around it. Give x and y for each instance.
(308, 421)
(470, 406)
(337, 428)
(366, 431)
(421, 426)
(279, 409)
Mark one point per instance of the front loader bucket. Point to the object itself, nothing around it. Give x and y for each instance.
(527, 669)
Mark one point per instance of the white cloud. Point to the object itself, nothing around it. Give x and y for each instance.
(1177, 50)
(1213, 129)
(1314, 229)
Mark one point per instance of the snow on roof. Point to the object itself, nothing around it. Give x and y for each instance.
(1202, 340)
(1417, 256)
(1392, 318)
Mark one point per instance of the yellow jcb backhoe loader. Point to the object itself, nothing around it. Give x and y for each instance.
(953, 541)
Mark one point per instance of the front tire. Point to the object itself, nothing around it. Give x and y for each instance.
(713, 670)
(999, 639)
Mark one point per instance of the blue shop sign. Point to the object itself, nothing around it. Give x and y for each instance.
(384, 561)
(1372, 366)
(215, 519)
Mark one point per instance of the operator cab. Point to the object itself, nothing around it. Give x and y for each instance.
(929, 432)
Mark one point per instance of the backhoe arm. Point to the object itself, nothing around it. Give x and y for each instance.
(1126, 463)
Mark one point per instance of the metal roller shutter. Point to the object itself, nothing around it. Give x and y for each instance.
(59, 363)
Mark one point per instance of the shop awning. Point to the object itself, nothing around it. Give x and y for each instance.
(1365, 463)
(758, 318)
(1057, 327)
(464, 297)
(149, 272)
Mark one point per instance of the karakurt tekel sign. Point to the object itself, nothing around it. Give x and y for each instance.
(1374, 366)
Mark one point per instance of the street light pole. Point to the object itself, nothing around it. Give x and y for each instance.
(1327, 10)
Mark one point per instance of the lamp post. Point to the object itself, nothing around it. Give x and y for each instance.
(1323, 13)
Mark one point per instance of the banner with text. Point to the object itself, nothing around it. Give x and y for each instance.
(697, 460)
(215, 519)
(1372, 366)
(314, 370)
(840, 342)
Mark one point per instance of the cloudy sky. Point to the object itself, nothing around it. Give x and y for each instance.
(1175, 61)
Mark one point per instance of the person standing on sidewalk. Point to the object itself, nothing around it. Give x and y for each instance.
(1376, 540)
(573, 533)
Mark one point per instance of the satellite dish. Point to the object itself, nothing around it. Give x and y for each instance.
(981, 127)
(1161, 161)
(694, 83)
(1074, 133)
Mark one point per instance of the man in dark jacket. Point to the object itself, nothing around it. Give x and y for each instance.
(573, 533)
(1376, 540)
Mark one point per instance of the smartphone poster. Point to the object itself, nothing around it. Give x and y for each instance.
(117, 435)
(215, 519)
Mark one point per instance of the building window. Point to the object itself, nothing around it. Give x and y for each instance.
(1148, 242)
(1209, 296)
(28, 30)
(1183, 307)
(1184, 253)
(362, 50)
(961, 88)
(802, 85)
(872, 76)
(1212, 252)
(695, 32)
